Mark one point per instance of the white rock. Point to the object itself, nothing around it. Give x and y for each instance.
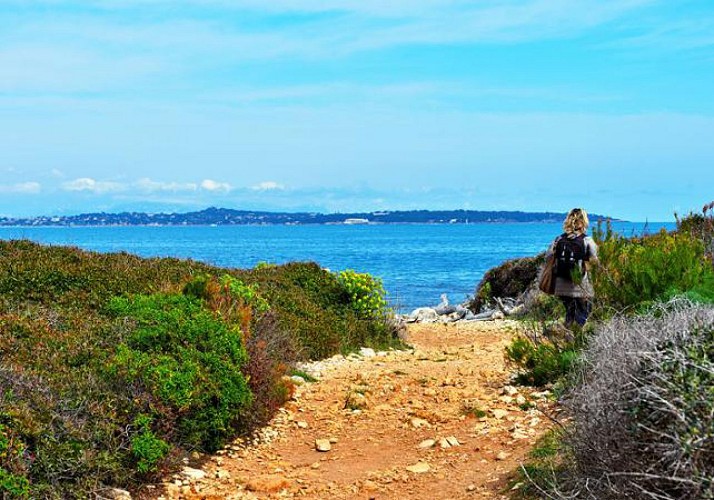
(223, 474)
(367, 352)
(427, 443)
(419, 468)
(323, 445)
(192, 473)
(510, 390)
(297, 380)
(499, 414)
(424, 315)
(453, 441)
(418, 423)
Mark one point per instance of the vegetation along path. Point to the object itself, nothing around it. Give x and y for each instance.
(438, 421)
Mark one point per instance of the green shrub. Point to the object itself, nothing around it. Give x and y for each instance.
(317, 309)
(188, 359)
(146, 447)
(542, 362)
(701, 226)
(12, 468)
(637, 272)
(89, 342)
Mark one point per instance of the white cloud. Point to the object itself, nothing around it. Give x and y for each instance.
(214, 186)
(93, 186)
(22, 188)
(268, 186)
(149, 186)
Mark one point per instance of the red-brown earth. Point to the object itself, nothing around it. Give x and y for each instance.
(377, 412)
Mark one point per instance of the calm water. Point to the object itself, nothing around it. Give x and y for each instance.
(417, 262)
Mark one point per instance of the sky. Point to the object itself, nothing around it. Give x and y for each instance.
(357, 105)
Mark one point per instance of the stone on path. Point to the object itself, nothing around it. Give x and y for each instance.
(269, 483)
(367, 352)
(453, 441)
(419, 468)
(499, 414)
(192, 473)
(418, 423)
(323, 445)
(428, 443)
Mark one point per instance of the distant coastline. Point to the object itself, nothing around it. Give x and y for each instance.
(230, 217)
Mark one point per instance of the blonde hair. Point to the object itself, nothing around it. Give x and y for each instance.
(576, 222)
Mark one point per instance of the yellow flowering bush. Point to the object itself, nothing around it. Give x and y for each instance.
(367, 294)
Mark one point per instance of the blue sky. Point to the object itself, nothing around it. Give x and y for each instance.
(355, 105)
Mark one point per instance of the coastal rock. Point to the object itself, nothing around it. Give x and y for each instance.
(469, 316)
(484, 316)
(444, 307)
(423, 315)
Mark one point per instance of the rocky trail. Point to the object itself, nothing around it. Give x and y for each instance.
(436, 422)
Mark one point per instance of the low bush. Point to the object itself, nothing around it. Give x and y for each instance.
(112, 367)
(541, 361)
(188, 360)
(13, 482)
(510, 279)
(637, 272)
(644, 413)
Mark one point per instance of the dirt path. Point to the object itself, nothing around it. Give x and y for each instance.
(378, 411)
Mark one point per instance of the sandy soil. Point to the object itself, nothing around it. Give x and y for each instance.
(378, 413)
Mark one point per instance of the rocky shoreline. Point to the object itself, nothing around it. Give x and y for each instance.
(448, 313)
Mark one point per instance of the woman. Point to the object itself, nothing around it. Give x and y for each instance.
(574, 253)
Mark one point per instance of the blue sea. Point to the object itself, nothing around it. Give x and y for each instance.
(417, 262)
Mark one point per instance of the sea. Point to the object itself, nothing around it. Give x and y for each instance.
(416, 262)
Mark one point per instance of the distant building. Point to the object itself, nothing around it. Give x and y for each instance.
(356, 221)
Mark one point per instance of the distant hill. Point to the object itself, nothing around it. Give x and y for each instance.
(230, 217)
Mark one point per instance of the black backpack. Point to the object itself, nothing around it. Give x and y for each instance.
(569, 256)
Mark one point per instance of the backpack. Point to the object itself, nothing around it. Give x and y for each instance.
(569, 256)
